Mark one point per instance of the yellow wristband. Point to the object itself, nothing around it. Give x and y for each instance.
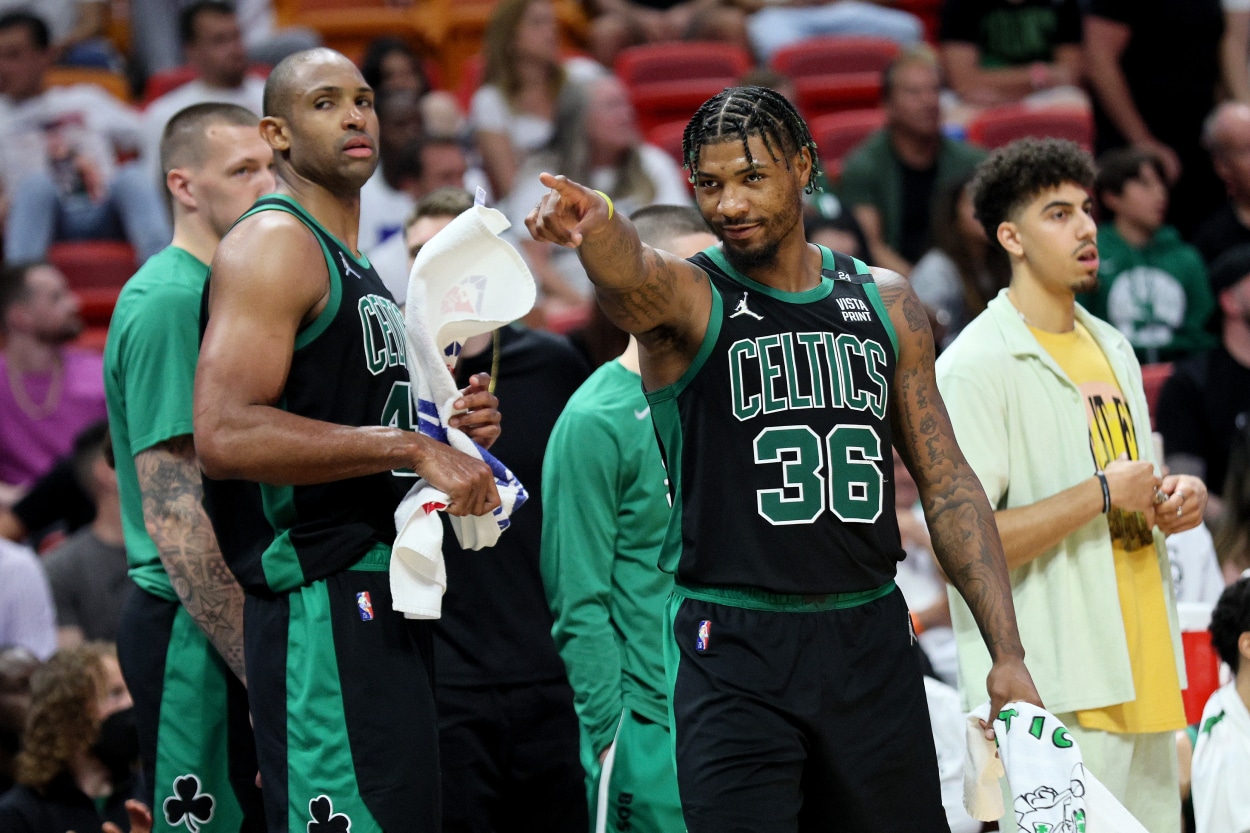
(608, 200)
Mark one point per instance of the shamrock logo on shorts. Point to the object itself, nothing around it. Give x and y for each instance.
(325, 820)
(188, 806)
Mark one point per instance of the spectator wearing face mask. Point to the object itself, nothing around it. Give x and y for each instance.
(79, 749)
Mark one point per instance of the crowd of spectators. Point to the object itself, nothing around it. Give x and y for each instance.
(77, 163)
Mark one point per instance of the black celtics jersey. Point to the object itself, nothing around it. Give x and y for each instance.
(348, 367)
(777, 439)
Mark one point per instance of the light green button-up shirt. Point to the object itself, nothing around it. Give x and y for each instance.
(1022, 424)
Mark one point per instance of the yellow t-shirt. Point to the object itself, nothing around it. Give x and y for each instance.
(1158, 707)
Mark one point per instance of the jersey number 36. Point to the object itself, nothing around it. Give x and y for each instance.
(846, 460)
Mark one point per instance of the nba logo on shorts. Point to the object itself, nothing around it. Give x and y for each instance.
(704, 638)
(365, 605)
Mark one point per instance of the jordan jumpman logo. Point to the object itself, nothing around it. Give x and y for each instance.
(741, 309)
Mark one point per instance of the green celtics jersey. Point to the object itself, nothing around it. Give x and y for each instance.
(149, 375)
(604, 514)
(777, 438)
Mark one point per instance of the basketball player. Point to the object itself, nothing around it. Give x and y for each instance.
(181, 639)
(302, 406)
(778, 373)
(603, 525)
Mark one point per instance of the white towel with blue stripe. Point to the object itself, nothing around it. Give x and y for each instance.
(465, 282)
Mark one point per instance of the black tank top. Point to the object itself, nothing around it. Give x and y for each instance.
(777, 438)
(349, 367)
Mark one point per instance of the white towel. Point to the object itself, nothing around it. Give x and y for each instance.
(451, 298)
(1050, 787)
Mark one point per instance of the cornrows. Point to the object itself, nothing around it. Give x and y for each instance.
(742, 112)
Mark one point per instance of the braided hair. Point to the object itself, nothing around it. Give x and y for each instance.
(743, 112)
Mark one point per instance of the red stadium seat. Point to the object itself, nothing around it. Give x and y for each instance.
(836, 134)
(1152, 378)
(672, 62)
(667, 101)
(94, 263)
(998, 126)
(929, 12)
(820, 95)
(171, 79)
(96, 303)
(834, 56)
(165, 81)
(667, 137)
(471, 73)
(668, 81)
(92, 338)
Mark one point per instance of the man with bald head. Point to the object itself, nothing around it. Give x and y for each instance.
(303, 419)
(1226, 135)
(180, 643)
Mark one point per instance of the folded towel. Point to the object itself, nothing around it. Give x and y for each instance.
(449, 299)
(1050, 787)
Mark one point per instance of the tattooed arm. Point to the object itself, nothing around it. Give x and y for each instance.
(173, 511)
(965, 538)
(660, 298)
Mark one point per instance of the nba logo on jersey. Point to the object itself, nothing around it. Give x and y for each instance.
(365, 605)
(704, 639)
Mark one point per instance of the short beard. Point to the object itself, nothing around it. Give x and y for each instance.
(743, 261)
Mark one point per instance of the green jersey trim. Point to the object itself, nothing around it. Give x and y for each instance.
(281, 564)
(359, 259)
(874, 297)
(319, 324)
(280, 561)
(753, 599)
(715, 318)
(807, 296)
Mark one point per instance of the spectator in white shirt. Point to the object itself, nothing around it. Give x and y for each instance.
(213, 42)
(58, 156)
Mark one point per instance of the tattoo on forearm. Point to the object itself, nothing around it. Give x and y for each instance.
(638, 307)
(169, 479)
(961, 521)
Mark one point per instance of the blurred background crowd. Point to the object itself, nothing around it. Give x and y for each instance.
(904, 98)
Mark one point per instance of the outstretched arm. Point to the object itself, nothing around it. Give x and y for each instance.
(662, 299)
(268, 278)
(965, 539)
(173, 512)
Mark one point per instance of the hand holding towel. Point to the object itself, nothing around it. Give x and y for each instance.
(465, 281)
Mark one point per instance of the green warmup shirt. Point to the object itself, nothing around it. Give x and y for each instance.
(1158, 295)
(605, 511)
(149, 378)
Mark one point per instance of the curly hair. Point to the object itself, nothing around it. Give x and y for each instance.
(62, 722)
(742, 112)
(1018, 172)
(1229, 620)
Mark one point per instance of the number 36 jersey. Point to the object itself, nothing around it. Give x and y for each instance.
(777, 438)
